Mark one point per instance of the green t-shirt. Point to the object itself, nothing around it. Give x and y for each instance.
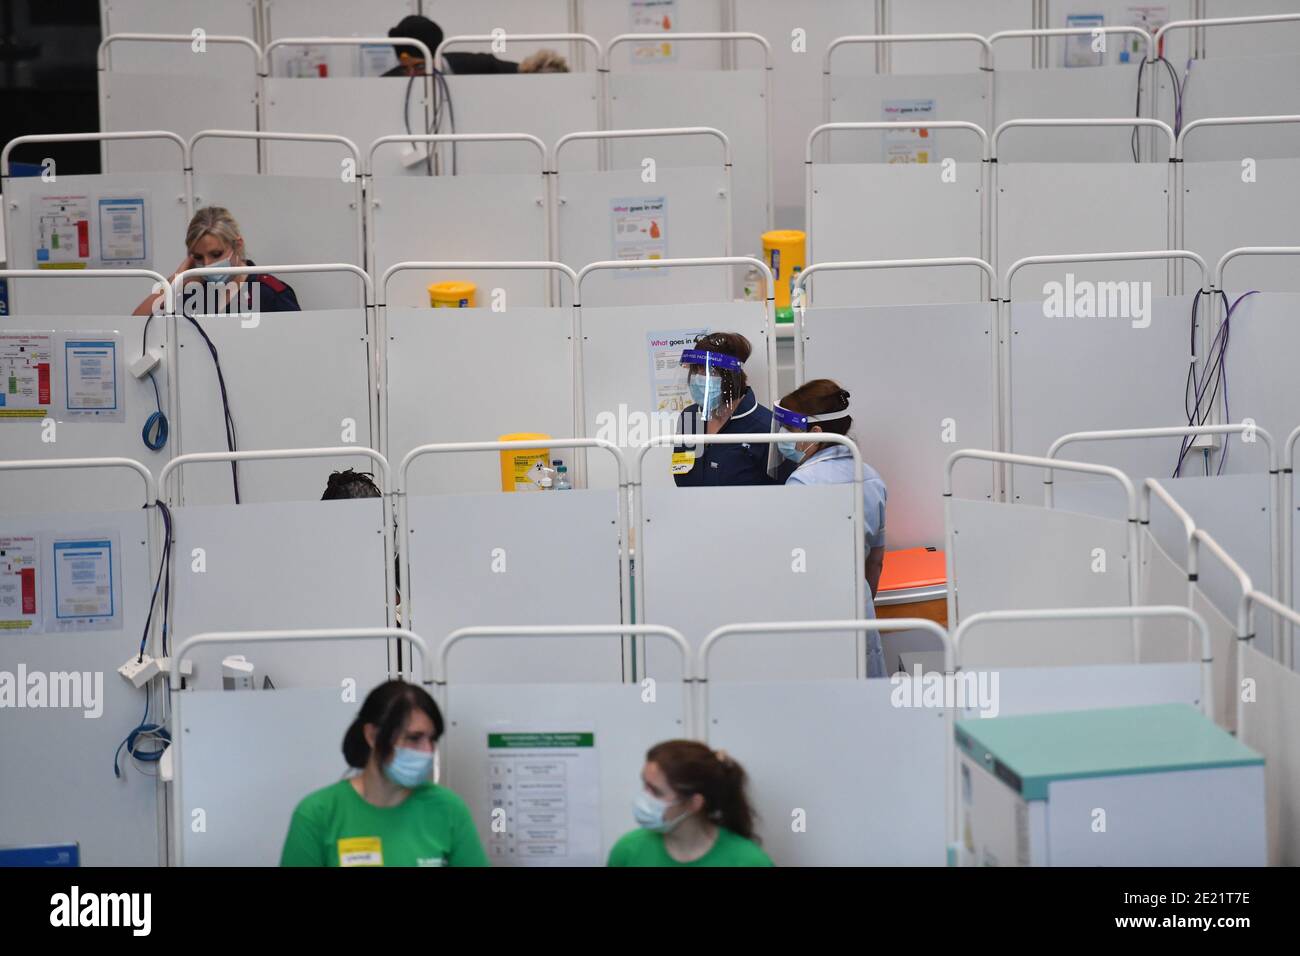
(646, 848)
(335, 826)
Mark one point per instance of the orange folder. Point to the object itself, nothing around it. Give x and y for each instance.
(913, 568)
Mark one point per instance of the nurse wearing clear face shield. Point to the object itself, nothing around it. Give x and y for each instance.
(822, 406)
(723, 403)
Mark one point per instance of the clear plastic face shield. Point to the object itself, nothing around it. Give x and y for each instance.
(709, 388)
(794, 429)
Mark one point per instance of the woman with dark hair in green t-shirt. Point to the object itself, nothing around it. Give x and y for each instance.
(391, 813)
(693, 812)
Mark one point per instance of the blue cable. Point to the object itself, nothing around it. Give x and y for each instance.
(144, 727)
(157, 422)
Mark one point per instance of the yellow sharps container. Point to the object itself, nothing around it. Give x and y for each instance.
(452, 295)
(521, 468)
(784, 250)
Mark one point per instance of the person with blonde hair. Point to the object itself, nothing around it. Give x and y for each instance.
(544, 61)
(213, 240)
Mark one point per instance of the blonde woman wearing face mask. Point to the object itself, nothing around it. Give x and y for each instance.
(213, 240)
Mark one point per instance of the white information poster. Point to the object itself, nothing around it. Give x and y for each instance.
(124, 231)
(668, 392)
(544, 797)
(1080, 50)
(1150, 17)
(640, 228)
(85, 583)
(653, 16)
(20, 585)
(91, 376)
(25, 375)
(914, 145)
(62, 239)
(375, 59)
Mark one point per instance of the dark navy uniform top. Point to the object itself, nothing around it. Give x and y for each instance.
(273, 295)
(464, 63)
(740, 464)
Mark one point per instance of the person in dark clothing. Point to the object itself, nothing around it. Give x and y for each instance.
(411, 59)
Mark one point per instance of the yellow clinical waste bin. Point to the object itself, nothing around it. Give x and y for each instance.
(523, 468)
(452, 295)
(784, 250)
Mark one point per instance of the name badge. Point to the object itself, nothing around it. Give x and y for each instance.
(683, 461)
(361, 851)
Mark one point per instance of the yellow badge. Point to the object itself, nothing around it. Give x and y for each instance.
(361, 851)
(683, 461)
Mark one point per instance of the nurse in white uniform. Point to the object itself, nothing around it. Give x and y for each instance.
(822, 406)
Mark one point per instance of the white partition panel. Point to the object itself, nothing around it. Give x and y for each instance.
(1082, 374)
(1237, 512)
(513, 16)
(869, 774)
(295, 379)
(183, 103)
(1269, 729)
(1261, 361)
(605, 20)
(900, 427)
(624, 729)
(1041, 690)
(28, 201)
(546, 105)
(694, 223)
(1168, 640)
(294, 219)
(362, 109)
(231, 764)
(710, 556)
(1235, 509)
(1250, 39)
(733, 101)
(76, 434)
(313, 18)
(235, 18)
(1224, 643)
(1252, 85)
(618, 371)
(292, 564)
(1024, 557)
(76, 798)
(1058, 208)
(1221, 211)
(963, 16)
(1096, 92)
(494, 216)
(896, 211)
(506, 559)
(873, 98)
(429, 384)
(797, 80)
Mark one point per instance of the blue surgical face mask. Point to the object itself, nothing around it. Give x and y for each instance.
(788, 450)
(220, 276)
(409, 768)
(706, 387)
(649, 813)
